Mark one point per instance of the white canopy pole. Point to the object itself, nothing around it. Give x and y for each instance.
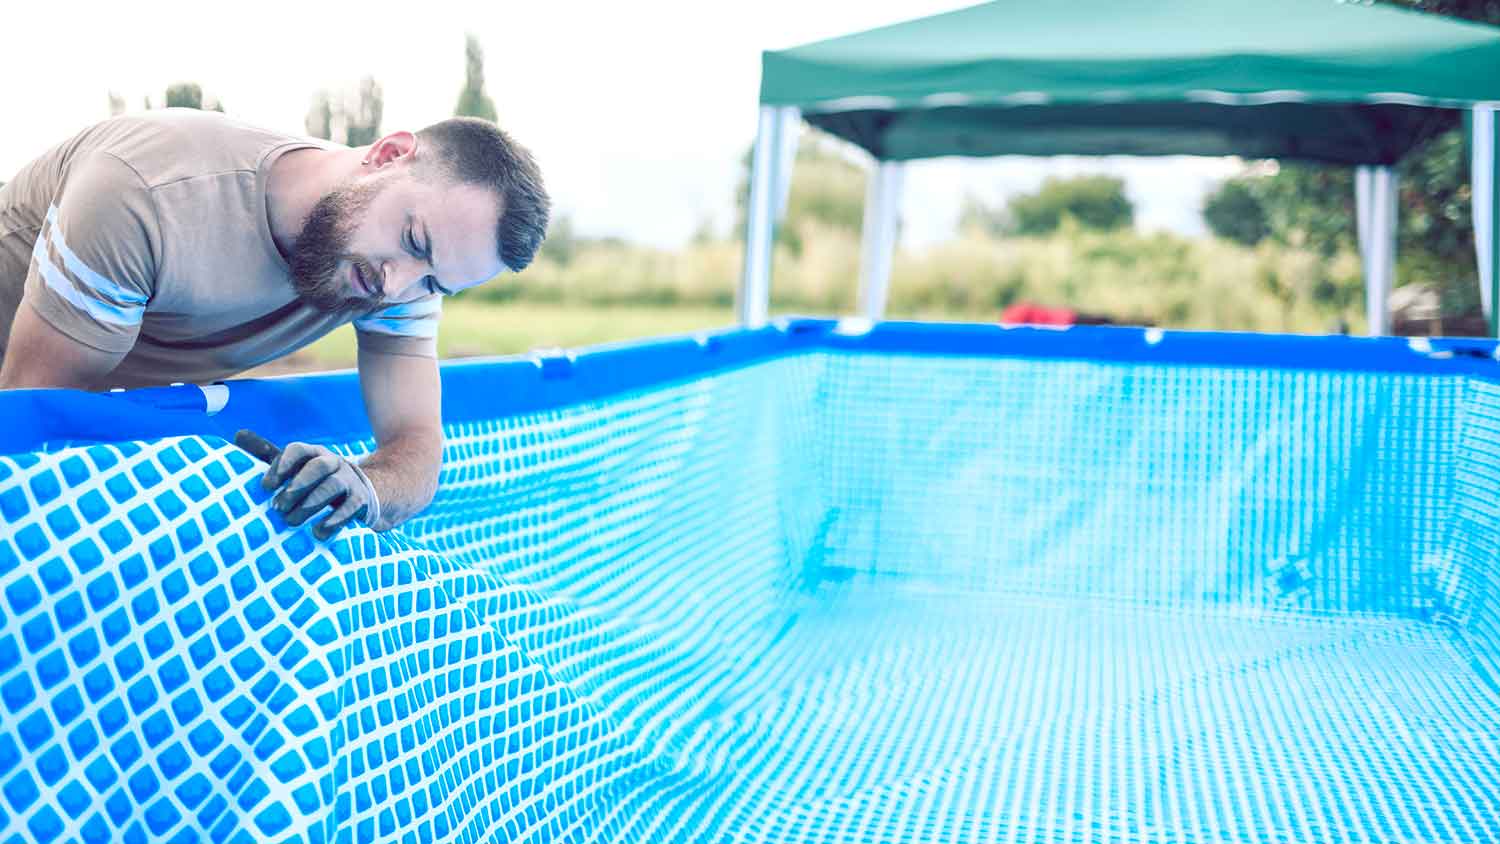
(1363, 175)
(882, 218)
(768, 186)
(1483, 178)
(1379, 247)
(788, 137)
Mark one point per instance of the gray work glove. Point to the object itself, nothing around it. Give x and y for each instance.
(311, 477)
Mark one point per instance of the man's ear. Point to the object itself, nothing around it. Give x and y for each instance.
(392, 147)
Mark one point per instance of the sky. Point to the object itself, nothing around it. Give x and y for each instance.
(638, 113)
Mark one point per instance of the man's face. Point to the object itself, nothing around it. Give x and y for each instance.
(395, 235)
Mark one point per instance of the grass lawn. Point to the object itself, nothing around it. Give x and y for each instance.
(474, 328)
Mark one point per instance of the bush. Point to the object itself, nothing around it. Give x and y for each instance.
(1161, 279)
(1158, 278)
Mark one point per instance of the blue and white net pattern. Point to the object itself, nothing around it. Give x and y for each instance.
(824, 598)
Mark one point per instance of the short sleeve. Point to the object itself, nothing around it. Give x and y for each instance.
(93, 268)
(409, 328)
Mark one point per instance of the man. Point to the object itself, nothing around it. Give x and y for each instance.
(179, 245)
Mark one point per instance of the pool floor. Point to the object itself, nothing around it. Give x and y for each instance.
(936, 717)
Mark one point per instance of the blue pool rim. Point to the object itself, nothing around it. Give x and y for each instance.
(329, 407)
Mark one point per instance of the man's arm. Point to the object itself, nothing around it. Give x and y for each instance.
(40, 356)
(91, 278)
(402, 396)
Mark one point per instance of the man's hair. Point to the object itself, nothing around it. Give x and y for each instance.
(475, 152)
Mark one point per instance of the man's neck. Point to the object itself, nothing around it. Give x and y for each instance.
(298, 179)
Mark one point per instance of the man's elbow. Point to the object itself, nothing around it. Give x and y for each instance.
(41, 357)
(425, 444)
(43, 378)
(420, 460)
(434, 467)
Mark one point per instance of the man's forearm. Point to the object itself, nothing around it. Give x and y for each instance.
(404, 472)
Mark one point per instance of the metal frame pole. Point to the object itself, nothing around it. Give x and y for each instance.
(1484, 181)
(1363, 175)
(786, 151)
(1375, 195)
(770, 180)
(878, 246)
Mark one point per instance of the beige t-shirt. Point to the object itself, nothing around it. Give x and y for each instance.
(148, 235)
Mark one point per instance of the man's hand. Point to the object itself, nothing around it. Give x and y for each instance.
(311, 477)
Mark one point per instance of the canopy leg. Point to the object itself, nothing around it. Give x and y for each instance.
(1363, 176)
(770, 178)
(882, 218)
(1483, 178)
(1375, 193)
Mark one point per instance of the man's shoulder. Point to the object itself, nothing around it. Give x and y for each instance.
(175, 144)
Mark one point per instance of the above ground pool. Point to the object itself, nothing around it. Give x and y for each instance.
(818, 582)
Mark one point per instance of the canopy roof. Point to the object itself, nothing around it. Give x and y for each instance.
(1315, 79)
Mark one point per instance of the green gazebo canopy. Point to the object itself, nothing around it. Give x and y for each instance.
(1322, 80)
(1313, 79)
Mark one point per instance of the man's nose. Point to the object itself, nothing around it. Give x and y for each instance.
(403, 279)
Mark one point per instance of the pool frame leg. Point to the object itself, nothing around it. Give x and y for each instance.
(770, 182)
(878, 237)
(1484, 176)
(1376, 190)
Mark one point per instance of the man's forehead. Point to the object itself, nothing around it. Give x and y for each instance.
(458, 224)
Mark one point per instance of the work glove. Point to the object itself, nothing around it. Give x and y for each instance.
(311, 477)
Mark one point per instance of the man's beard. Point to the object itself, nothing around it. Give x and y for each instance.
(323, 243)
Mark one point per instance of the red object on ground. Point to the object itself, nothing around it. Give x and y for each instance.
(1030, 313)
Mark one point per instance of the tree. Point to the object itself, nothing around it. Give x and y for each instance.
(1312, 205)
(353, 118)
(473, 101)
(977, 216)
(1234, 213)
(185, 95)
(1095, 202)
(1436, 203)
(562, 241)
(116, 104)
(362, 115)
(189, 95)
(319, 120)
(1308, 205)
(704, 232)
(1487, 11)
